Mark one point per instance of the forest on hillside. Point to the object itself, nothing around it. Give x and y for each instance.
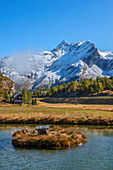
(84, 87)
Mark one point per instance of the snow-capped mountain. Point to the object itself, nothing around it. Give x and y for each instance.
(66, 62)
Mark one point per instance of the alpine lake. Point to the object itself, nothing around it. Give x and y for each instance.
(95, 154)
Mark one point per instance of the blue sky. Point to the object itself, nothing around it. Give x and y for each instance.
(42, 24)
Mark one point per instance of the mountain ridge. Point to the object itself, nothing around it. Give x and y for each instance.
(66, 62)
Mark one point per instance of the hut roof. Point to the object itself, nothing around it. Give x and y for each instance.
(15, 95)
(42, 127)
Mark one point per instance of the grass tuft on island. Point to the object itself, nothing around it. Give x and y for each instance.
(57, 138)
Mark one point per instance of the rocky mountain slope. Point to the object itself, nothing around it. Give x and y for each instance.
(66, 62)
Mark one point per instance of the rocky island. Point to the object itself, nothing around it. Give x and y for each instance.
(54, 138)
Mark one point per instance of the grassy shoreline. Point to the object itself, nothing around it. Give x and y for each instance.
(60, 113)
(46, 115)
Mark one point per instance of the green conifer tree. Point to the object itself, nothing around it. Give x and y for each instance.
(24, 96)
(33, 102)
(40, 92)
(28, 97)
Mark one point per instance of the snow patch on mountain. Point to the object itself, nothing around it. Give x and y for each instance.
(66, 62)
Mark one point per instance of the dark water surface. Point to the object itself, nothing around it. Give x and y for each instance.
(97, 153)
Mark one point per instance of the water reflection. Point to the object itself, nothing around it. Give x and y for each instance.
(89, 129)
(97, 130)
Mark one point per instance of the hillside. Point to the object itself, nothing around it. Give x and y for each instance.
(6, 85)
(66, 62)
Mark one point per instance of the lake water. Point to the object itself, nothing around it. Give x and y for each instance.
(97, 153)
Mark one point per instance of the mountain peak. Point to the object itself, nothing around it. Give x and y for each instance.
(63, 43)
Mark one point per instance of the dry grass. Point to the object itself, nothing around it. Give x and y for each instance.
(57, 138)
(64, 111)
(49, 112)
(78, 106)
